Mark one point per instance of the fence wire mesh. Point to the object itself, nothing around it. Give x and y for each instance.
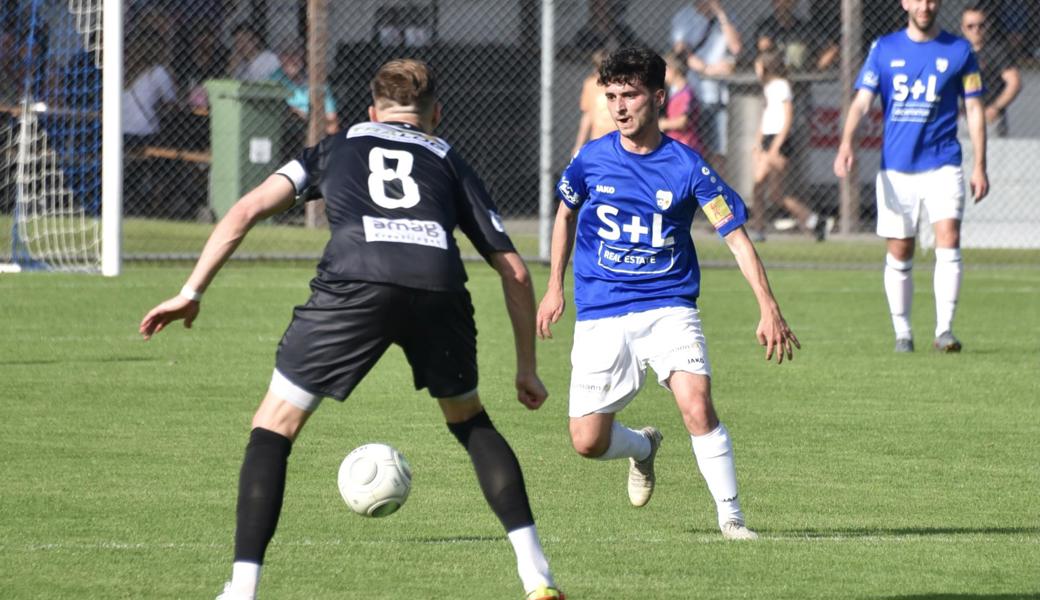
(217, 96)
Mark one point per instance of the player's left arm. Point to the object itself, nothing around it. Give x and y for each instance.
(976, 114)
(972, 89)
(773, 331)
(271, 197)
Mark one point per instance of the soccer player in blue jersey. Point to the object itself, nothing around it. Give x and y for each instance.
(628, 199)
(920, 73)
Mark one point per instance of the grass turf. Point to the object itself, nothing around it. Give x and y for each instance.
(869, 475)
(145, 240)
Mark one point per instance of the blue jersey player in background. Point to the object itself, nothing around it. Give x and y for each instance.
(921, 73)
(628, 200)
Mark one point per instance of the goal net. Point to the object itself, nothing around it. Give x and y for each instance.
(50, 135)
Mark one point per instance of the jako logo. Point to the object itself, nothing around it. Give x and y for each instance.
(604, 189)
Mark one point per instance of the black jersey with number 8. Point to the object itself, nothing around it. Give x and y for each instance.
(393, 197)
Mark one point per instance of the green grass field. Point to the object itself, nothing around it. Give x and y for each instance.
(869, 475)
(145, 240)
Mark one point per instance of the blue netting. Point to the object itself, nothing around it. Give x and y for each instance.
(52, 100)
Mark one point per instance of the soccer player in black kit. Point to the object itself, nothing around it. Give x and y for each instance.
(390, 274)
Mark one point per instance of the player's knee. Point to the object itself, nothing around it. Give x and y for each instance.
(587, 443)
(699, 417)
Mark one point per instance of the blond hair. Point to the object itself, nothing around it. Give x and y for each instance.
(406, 84)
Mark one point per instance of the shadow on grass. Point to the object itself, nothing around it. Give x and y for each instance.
(884, 532)
(455, 539)
(903, 532)
(940, 596)
(64, 361)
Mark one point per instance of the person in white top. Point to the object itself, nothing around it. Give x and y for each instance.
(773, 149)
(150, 85)
(250, 60)
(704, 35)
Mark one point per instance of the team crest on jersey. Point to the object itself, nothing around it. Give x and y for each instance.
(664, 199)
(568, 192)
(942, 64)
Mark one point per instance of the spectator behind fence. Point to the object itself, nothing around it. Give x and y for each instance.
(704, 35)
(773, 150)
(784, 32)
(595, 117)
(250, 59)
(202, 57)
(293, 76)
(998, 67)
(825, 29)
(149, 86)
(604, 30)
(681, 110)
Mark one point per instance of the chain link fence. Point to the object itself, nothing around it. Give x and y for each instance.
(217, 96)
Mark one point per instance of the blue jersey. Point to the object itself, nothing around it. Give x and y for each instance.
(633, 249)
(920, 84)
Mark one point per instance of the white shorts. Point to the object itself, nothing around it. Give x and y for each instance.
(901, 195)
(610, 356)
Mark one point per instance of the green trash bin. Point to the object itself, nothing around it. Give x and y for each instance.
(246, 120)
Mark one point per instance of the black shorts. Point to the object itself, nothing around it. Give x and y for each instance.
(785, 148)
(336, 338)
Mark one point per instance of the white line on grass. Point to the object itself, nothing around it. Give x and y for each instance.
(1022, 538)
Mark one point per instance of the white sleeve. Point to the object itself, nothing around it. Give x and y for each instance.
(263, 66)
(778, 91)
(294, 172)
(164, 84)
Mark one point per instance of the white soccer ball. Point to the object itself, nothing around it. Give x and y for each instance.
(374, 480)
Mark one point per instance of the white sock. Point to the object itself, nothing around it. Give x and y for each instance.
(899, 288)
(530, 559)
(947, 283)
(245, 578)
(626, 443)
(714, 454)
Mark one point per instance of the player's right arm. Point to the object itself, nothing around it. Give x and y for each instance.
(551, 308)
(271, 197)
(857, 110)
(519, 294)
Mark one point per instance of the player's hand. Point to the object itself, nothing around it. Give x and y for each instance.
(992, 114)
(530, 391)
(843, 161)
(549, 311)
(172, 310)
(979, 184)
(776, 336)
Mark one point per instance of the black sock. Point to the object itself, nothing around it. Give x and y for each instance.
(261, 487)
(497, 470)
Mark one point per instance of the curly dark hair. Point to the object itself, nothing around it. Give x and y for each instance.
(634, 64)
